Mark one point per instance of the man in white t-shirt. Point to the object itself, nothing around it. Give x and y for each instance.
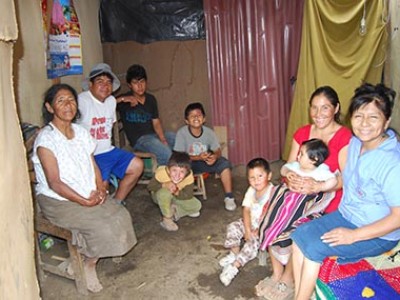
(97, 108)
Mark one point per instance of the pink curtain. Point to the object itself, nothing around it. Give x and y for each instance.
(253, 49)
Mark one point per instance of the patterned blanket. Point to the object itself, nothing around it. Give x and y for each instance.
(371, 278)
(285, 211)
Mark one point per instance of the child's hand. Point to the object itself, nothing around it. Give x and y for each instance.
(172, 187)
(204, 156)
(211, 159)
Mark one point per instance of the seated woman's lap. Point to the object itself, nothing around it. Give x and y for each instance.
(308, 238)
(99, 231)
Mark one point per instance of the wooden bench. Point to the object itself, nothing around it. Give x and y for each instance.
(44, 226)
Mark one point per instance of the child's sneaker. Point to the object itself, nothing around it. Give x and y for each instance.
(230, 204)
(227, 260)
(169, 225)
(227, 275)
(195, 215)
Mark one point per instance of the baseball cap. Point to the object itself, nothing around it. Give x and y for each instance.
(98, 69)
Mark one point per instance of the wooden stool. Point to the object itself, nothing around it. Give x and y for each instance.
(199, 185)
(149, 168)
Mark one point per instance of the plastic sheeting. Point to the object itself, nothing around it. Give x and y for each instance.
(147, 21)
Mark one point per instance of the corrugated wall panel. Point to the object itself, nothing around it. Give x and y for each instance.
(253, 48)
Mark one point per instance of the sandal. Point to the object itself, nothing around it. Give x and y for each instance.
(281, 291)
(263, 285)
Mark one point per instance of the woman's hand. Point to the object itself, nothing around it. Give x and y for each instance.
(310, 186)
(103, 195)
(339, 236)
(95, 198)
(303, 185)
(294, 182)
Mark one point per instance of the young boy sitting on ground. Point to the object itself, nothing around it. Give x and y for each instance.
(201, 143)
(172, 189)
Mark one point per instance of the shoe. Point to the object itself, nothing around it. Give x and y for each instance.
(230, 204)
(227, 275)
(169, 225)
(194, 215)
(227, 260)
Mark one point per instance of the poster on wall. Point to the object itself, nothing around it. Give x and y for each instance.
(64, 52)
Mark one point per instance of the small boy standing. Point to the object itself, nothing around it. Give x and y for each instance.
(202, 145)
(172, 189)
(254, 203)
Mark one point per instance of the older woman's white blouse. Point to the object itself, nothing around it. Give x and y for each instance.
(73, 157)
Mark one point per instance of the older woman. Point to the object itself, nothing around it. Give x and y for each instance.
(325, 114)
(70, 191)
(368, 220)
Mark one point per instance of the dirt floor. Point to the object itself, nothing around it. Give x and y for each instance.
(171, 265)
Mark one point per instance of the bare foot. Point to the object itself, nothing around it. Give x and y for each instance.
(92, 282)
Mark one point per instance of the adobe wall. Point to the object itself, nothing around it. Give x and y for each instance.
(176, 71)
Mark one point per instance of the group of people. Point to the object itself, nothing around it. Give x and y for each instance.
(74, 159)
(308, 218)
(299, 222)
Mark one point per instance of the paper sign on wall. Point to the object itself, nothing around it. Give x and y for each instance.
(64, 52)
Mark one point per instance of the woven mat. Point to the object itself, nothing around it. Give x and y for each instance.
(371, 278)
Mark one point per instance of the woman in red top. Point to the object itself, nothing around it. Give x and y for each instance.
(325, 114)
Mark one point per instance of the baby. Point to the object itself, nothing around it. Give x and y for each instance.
(309, 163)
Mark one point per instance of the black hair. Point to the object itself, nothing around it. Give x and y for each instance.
(92, 79)
(380, 95)
(193, 106)
(180, 159)
(332, 97)
(258, 162)
(135, 72)
(316, 150)
(49, 97)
